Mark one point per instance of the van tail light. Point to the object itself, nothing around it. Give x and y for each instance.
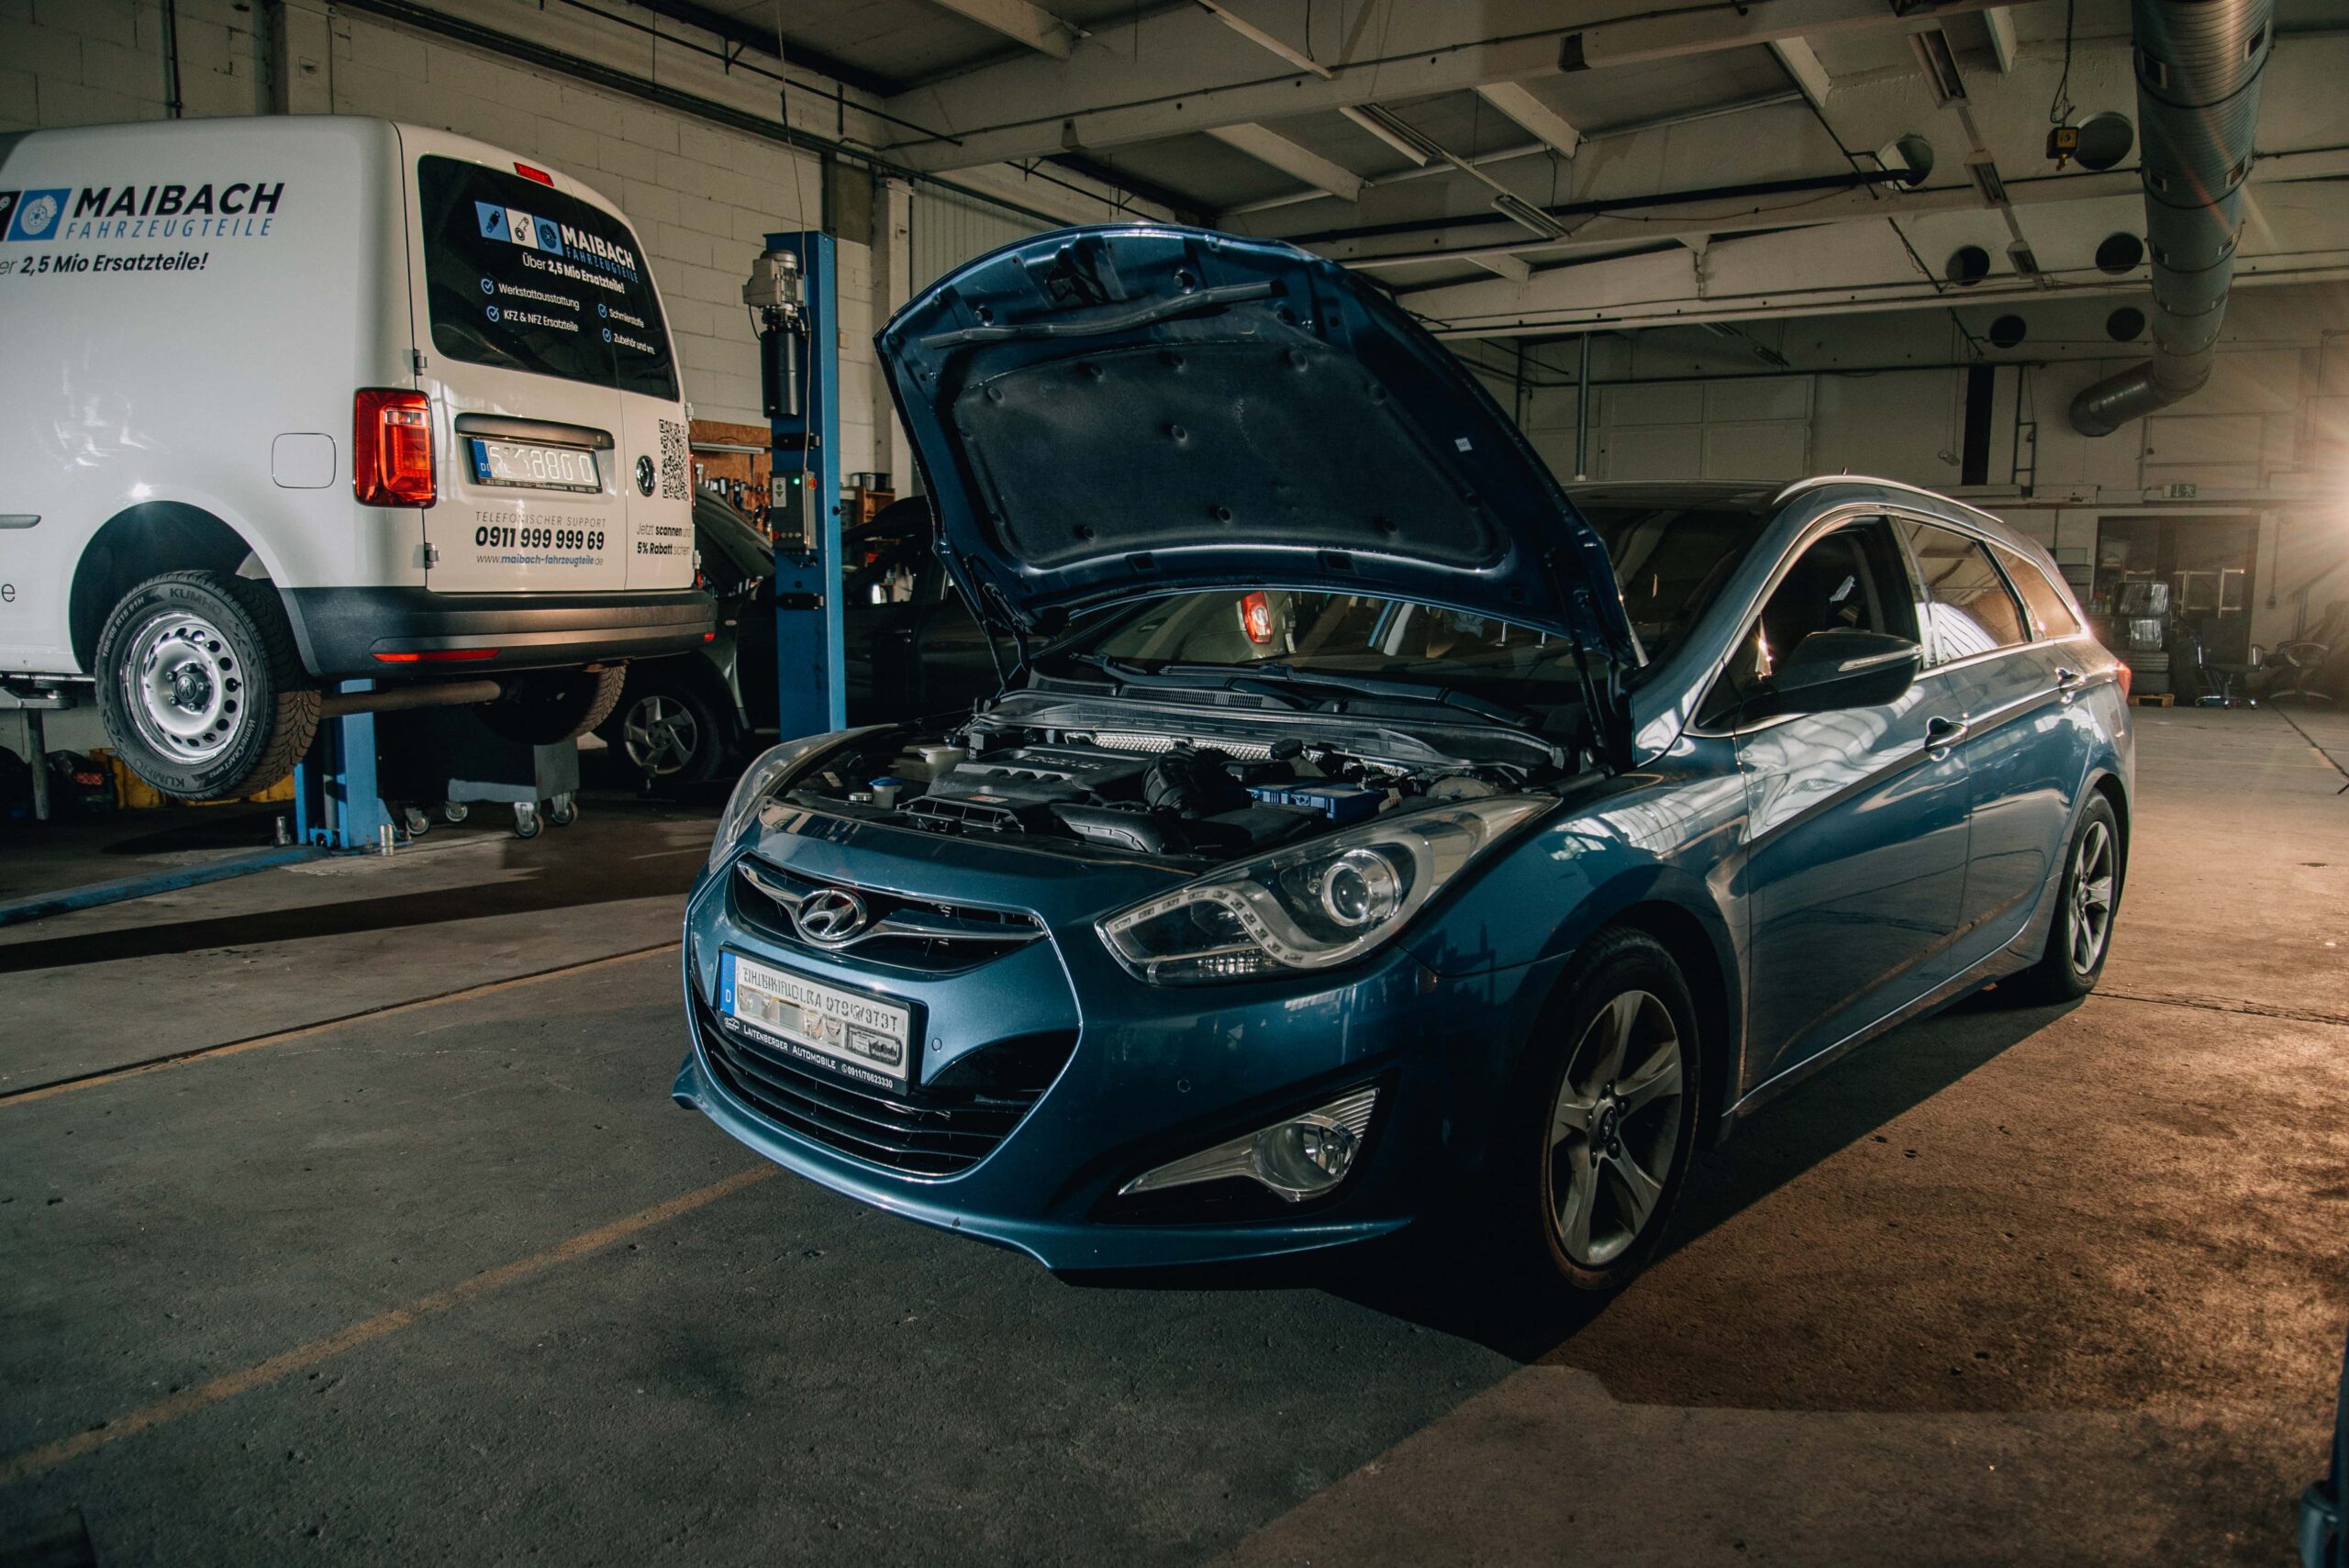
(533, 171)
(391, 448)
(1256, 618)
(2124, 673)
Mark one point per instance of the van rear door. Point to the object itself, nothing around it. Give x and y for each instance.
(554, 391)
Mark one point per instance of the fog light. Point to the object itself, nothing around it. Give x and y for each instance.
(1302, 1156)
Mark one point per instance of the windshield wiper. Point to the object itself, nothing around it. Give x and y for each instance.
(1192, 677)
(1415, 691)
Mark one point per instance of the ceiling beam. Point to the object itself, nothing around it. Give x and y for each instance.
(1513, 99)
(1019, 21)
(1480, 236)
(2001, 20)
(1766, 276)
(1264, 40)
(1803, 66)
(1676, 35)
(1175, 72)
(1297, 163)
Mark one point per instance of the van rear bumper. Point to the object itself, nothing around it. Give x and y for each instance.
(342, 632)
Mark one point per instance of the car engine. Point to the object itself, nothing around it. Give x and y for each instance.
(1133, 790)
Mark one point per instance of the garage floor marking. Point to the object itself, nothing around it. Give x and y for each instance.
(48, 1456)
(232, 1048)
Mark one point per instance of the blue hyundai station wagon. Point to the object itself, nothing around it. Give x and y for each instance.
(1369, 831)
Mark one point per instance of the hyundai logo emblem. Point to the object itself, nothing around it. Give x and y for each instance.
(831, 917)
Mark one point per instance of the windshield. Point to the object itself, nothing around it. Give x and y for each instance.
(1341, 635)
(1671, 561)
(518, 274)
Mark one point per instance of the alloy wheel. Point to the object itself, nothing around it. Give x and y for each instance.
(1615, 1127)
(185, 691)
(2091, 885)
(660, 735)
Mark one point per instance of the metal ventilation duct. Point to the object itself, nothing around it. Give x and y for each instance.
(2199, 64)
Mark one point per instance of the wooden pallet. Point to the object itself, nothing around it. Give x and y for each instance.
(2154, 699)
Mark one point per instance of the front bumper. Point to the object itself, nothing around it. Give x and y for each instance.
(340, 632)
(1155, 1074)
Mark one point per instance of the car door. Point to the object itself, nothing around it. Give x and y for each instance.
(2025, 752)
(1857, 818)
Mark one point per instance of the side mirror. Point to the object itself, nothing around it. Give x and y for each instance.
(1843, 668)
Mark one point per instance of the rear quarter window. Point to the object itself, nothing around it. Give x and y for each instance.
(2049, 613)
(1971, 610)
(520, 275)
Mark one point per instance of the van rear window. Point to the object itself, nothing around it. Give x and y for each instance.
(520, 275)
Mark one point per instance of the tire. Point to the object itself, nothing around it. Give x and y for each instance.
(669, 732)
(549, 706)
(2060, 975)
(527, 823)
(1614, 1067)
(200, 687)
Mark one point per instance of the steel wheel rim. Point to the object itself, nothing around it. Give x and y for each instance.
(2091, 892)
(1615, 1129)
(660, 735)
(184, 687)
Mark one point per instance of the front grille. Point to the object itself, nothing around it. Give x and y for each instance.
(920, 935)
(934, 1130)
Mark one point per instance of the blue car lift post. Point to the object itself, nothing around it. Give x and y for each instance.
(336, 806)
(799, 349)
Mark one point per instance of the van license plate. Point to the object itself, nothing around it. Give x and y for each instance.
(861, 1036)
(527, 466)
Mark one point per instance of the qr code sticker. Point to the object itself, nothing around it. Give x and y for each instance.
(673, 460)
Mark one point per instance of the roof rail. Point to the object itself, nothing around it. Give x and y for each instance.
(1819, 481)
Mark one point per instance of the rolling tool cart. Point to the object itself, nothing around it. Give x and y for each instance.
(449, 756)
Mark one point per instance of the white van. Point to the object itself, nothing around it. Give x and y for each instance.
(296, 401)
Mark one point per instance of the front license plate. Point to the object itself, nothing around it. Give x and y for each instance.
(847, 1032)
(529, 467)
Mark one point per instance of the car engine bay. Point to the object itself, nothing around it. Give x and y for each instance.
(1127, 785)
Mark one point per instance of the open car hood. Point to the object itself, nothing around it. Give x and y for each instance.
(1114, 412)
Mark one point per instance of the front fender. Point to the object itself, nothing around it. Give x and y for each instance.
(1657, 842)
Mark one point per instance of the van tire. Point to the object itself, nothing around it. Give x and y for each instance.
(267, 709)
(548, 707)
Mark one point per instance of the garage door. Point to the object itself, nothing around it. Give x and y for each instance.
(948, 230)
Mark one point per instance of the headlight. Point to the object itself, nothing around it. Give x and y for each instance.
(1312, 906)
(774, 768)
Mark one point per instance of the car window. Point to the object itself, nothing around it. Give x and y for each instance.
(1851, 579)
(1670, 561)
(520, 275)
(2050, 616)
(732, 551)
(1972, 609)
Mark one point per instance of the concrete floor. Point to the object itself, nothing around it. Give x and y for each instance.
(427, 1268)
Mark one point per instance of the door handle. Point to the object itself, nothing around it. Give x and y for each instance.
(1941, 732)
(2067, 677)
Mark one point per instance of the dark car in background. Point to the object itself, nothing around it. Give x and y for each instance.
(912, 646)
